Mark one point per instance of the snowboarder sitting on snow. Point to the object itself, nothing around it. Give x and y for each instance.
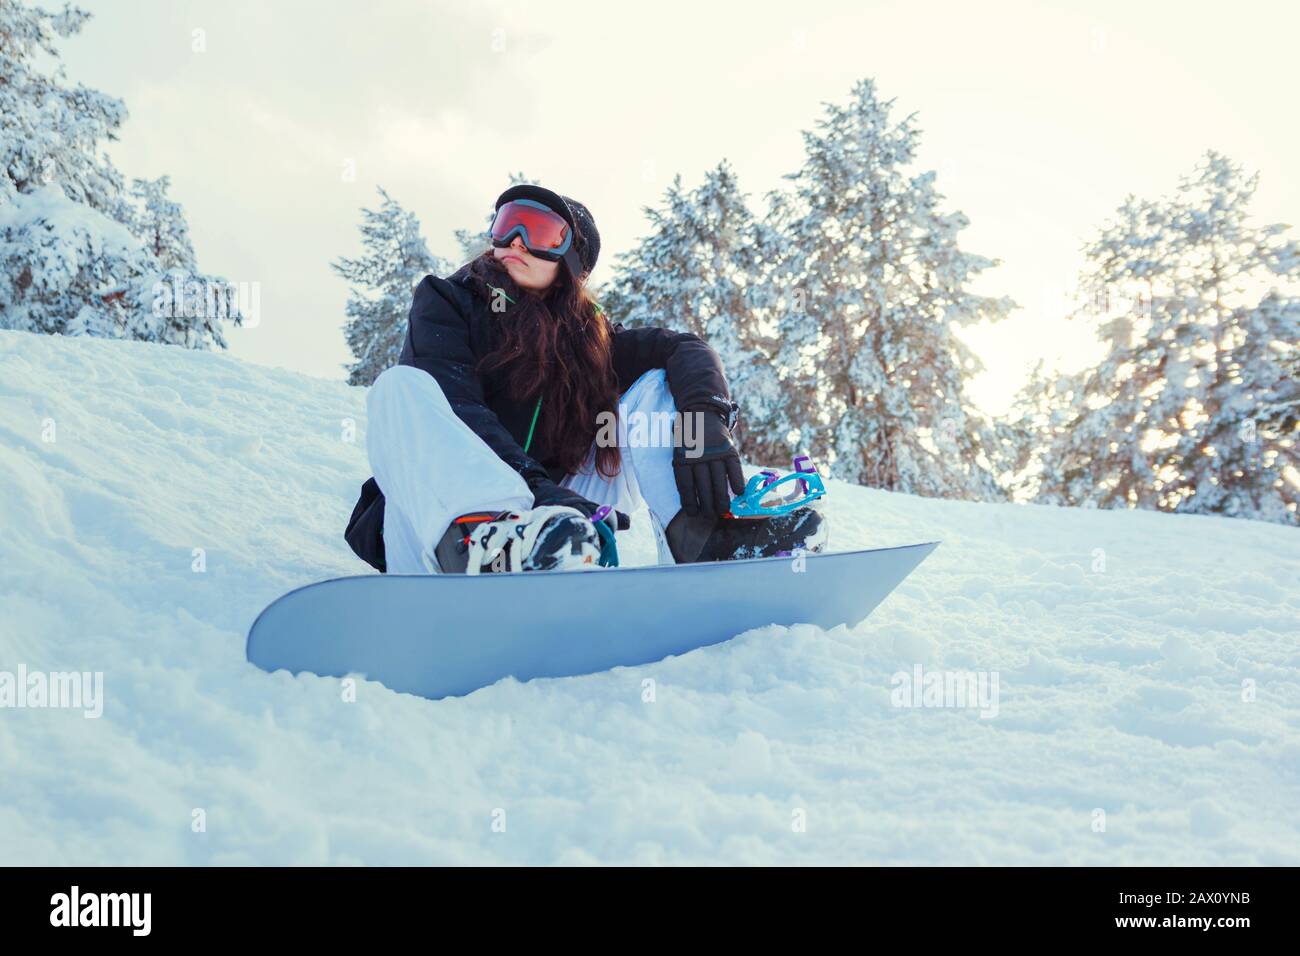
(482, 437)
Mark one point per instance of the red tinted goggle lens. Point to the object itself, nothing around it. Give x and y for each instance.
(543, 229)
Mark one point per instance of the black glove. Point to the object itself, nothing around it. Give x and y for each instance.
(549, 493)
(702, 480)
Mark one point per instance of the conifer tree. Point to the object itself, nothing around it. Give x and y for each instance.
(873, 286)
(382, 281)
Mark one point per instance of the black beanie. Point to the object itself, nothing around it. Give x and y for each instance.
(586, 239)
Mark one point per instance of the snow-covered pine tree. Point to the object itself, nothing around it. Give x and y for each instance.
(700, 270)
(160, 224)
(1243, 459)
(50, 131)
(70, 262)
(1239, 456)
(64, 267)
(172, 301)
(381, 281)
(1090, 427)
(1195, 405)
(873, 285)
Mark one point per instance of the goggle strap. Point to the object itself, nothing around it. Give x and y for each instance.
(572, 260)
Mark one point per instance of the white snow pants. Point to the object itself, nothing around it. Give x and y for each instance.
(432, 468)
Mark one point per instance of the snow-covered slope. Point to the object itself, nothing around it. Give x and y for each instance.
(1121, 642)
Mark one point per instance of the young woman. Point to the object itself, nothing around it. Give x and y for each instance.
(486, 440)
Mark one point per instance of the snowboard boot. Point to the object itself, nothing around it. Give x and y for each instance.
(698, 539)
(548, 538)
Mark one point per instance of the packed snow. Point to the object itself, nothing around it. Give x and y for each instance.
(1148, 668)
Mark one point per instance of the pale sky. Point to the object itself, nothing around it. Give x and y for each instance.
(1038, 118)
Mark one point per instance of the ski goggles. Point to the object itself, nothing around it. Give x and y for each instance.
(768, 494)
(545, 232)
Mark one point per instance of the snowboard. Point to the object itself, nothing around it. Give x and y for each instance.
(443, 635)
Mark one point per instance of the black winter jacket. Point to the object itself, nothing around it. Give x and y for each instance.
(451, 329)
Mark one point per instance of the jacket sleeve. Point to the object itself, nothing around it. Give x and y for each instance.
(438, 342)
(693, 369)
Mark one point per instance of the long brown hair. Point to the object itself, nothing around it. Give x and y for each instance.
(554, 345)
